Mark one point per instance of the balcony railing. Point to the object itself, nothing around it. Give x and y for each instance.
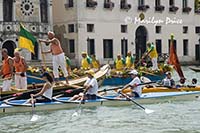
(125, 6)
(109, 5)
(173, 8)
(187, 9)
(143, 7)
(159, 8)
(91, 4)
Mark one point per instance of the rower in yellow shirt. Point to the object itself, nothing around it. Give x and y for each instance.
(86, 62)
(95, 62)
(152, 53)
(129, 60)
(119, 63)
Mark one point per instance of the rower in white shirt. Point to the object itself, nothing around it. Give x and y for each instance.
(91, 88)
(136, 90)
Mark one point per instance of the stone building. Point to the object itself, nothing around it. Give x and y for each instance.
(110, 27)
(35, 15)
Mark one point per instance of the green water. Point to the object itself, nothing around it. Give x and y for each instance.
(172, 117)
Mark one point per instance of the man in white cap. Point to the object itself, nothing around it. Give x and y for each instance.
(58, 55)
(134, 84)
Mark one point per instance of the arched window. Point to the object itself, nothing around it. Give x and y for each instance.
(44, 11)
(8, 10)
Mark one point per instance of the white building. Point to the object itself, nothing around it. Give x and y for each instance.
(36, 16)
(110, 27)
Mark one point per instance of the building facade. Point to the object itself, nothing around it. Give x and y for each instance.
(110, 27)
(35, 15)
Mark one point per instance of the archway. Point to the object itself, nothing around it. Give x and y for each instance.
(10, 46)
(140, 41)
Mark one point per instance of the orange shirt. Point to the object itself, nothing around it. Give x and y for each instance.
(19, 66)
(56, 47)
(6, 68)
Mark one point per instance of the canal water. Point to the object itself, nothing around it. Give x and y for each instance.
(171, 117)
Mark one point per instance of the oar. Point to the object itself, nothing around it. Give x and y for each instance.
(34, 117)
(119, 87)
(75, 114)
(43, 56)
(148, 111)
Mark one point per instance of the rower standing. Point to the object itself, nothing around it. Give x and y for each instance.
(86, 62)
(20, 71)
(45, 95)
(136, 90)
(95, 62)
(119, 63)
(129, 61)
(152, 53)
(6, 70)
(58, 56)
(91, 88)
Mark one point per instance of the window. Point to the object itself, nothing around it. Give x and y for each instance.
(8, 10)
(44, 11)
(72, 46)
(108, 48)
(170, 43)
(71, 28)
(140, 2)
(197, 29)
(159, 46)
(70, 3)
(90, 27)
(185, 29)
(90, 46)
(124, 47)
(185, 47)
(171, 2)
(157, 3)
(185, 3)
(158, 29)
(124, 28)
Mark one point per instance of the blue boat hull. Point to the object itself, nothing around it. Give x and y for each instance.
(114, 81)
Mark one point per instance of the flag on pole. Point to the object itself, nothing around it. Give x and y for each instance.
(173, 58)
(26, 39)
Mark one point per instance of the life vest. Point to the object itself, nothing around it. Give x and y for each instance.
(19, 66)
(85, 63)
(95, 64)
(119, 64)
(56, 48)
(129, 61)
(6, 68)
(153, 53)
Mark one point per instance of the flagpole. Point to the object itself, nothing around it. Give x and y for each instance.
(43, 56)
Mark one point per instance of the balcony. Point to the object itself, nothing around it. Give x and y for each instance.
(91, 4)
(187, 9)
(143, 7)
(125, 6)
(109, 5)
(173, 9)
(159, 8)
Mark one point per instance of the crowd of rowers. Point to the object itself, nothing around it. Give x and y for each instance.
(17, 67)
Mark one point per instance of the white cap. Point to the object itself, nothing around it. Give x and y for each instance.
(134, 72)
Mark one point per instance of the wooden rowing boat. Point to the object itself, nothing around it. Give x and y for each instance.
(195, 68)
(14, 106)
(164, 89)
(75, 83)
